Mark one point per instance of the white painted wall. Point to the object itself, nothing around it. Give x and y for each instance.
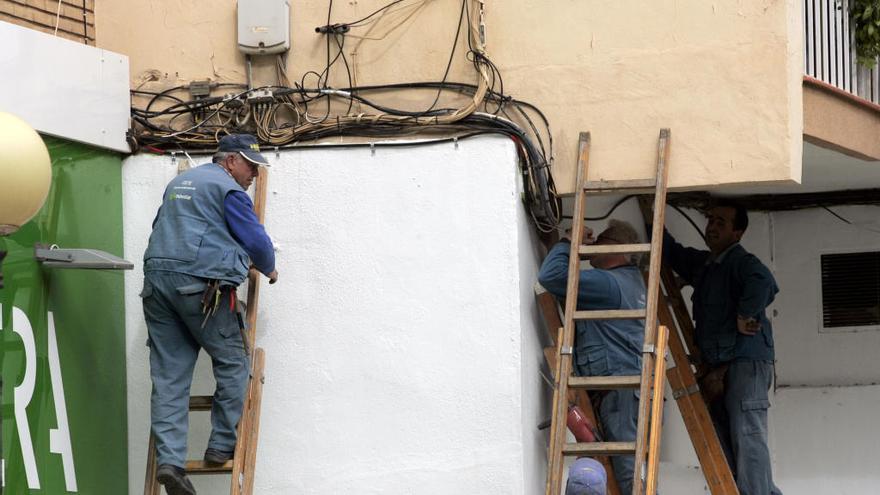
(402, 348)
(824, 440)
(807, 354)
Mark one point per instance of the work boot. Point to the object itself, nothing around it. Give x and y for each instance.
(217, 456)
(174, 480)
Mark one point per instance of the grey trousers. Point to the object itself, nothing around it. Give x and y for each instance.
(619, 414)
(740, 418)
(172, 309)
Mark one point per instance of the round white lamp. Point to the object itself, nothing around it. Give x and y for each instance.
(25, 173)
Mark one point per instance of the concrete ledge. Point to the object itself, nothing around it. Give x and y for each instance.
(840, 121)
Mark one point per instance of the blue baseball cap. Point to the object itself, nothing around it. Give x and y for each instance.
(586, 476)
(244, 144)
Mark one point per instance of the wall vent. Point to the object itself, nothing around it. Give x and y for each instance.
(851, 289)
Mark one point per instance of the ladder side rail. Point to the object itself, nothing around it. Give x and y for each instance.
(683, 318)
(555, 444)
(151, 484)
(680, 311)
(651, 308)
(560, 409)
(657, 411)
(253, 296)
(250, 457)
(244, 430)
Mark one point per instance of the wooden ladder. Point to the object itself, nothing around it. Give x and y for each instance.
(243, 464)
(651, 381)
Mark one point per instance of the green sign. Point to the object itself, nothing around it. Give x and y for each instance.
(63, 335)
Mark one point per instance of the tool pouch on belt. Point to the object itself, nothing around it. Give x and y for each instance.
(712, 383)
(210, 299)
(224, 297)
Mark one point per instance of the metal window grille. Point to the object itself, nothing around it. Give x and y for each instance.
(830, 49)
(851, 289)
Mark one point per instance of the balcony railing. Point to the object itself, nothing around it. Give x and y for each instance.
(830, 53)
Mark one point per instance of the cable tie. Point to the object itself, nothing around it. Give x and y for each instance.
(372, 149)
(338, 28)
(277, 153)
(455, 141)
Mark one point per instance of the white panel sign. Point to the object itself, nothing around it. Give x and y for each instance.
(64, 88)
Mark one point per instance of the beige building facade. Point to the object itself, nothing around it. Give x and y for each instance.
(724, 76)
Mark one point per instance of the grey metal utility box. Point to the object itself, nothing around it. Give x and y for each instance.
(263, 26)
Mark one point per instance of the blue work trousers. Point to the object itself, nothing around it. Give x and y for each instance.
(173, 311)
(740, 418)
(619, 414)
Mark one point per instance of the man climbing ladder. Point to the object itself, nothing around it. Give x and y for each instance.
(203, 237)
(606, 347)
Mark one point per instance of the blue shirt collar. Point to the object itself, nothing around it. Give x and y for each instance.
(720, 258)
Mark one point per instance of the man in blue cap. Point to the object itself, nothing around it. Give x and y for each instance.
(586, 476)
(205, 236)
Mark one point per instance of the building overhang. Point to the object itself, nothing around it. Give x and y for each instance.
(840, 121)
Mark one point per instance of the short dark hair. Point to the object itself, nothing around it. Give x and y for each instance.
(741, 219)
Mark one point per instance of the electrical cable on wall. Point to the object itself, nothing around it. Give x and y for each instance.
(283, 115)
(622, 200)
(849, 222)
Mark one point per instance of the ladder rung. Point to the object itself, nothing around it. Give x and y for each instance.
(201, 467)
(605, 382)
(599, 448)
(620, 186)
(611, 314)
(615, 249)
(200, 402)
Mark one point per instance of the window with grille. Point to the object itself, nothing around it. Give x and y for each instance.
(851, 290)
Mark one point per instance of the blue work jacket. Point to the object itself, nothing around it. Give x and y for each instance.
(602, 347)
(190, 234)
(733, 283)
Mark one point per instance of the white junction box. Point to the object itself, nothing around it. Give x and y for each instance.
(263, 26)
